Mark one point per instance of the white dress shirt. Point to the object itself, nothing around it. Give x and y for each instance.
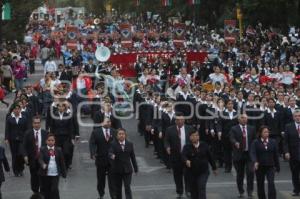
(182, 136)
(52, 167)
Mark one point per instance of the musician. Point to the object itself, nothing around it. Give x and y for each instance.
(100, 142)
(123, 159)
(241, 137)
(175, 138)
(197, 156)
(264, 155)
(34, 139)
(15, 128)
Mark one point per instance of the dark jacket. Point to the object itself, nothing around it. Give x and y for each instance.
(236, 135)
(291, 141)
(14, 131)
(124, 160)
(99, 147)
(28, 148)
(199, 157)
(59, 158)
(62, 127)
(265, 156)
(3, 163)
(173, 141)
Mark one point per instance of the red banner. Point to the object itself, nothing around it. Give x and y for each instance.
(230, 31)
(179, 34)
(125, 62)
(126, 35)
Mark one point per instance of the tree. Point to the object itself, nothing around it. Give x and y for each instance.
(14, 29)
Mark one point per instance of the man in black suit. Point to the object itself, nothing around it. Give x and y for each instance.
(15, 128)
(34, 139)
(100, 142)
(123, 159)
(241, 137)
(291, 149)
(176, 137)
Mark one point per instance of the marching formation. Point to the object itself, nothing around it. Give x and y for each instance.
(235, 107)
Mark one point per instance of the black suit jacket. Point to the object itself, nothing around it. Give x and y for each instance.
(124, 160)
(166, 122)
(64, 126)
(99, 147)
(45, 158)
(274, 123)
(3, 163)
(236, 135)
(173, 141)
(226, 123)
(29, 145)
(14, 131)
(265, 156)
(291, 141)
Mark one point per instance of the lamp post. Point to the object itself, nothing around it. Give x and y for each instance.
(239, 16)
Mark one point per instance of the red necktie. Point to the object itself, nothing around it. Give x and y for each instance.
(51, 152)
(244, 138)
(107, 136)
(298, 129)
(36, 144)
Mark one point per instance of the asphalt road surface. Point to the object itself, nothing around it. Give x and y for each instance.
(153, 180)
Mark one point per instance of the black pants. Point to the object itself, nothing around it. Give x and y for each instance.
(102, 172)
(17, 158)
(31, 66)
(241, 166)
(227, 154)
(295, 169)
(34, 177)
(118, 180)
(198, 185)
(50, 187)
(180, 176)
(261, 173)
(67, 148)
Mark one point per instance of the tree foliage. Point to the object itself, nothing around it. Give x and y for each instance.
(21, 11)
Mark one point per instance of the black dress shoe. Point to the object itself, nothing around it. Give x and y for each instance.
(295, 194)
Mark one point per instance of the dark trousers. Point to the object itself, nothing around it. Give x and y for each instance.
(180, 176)
(295, 169)
(198, 185)
(261, 173)
(102, 172)
(34, 177)
(31, 66)
(118, 180)
(244, 164)
(50, 187)
(17, 158)
(67, 148)
(227, 154)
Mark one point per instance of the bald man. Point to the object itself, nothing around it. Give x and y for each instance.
(241, 137)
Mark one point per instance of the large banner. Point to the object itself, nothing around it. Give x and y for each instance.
(125, 62)
(230, 34)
